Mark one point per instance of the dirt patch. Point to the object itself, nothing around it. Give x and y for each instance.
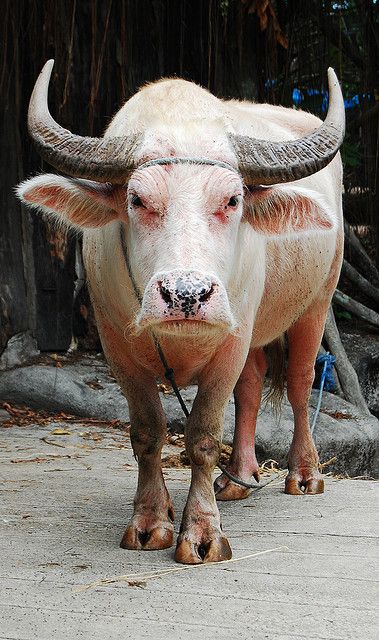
(181, 459)
(24, 417)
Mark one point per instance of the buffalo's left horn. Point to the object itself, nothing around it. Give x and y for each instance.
(265, 162)
(101, 159)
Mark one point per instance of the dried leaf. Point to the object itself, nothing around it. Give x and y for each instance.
(338, 415)
(39, 459)
(164, 388)
(24, 416)
(265, 12)
(60, 432)
(322, 465)
(176, 461)
(92, 435)
(94, 384)
(137, 583)
(52, 443)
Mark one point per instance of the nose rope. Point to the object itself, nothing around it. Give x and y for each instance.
(169, 372)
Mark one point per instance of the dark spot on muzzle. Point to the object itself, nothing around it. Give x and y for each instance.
(185, 295)
(166, 294)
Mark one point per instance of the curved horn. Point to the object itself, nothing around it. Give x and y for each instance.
(265, 162)
(101, 159)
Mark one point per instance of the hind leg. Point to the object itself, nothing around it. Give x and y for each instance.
(247, 397)
(304, 339)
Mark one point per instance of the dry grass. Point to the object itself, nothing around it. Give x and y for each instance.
(140, 579)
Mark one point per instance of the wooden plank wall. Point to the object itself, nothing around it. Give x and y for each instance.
(104, 50)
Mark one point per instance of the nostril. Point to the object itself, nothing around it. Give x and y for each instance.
(165, 293)
(206, 294)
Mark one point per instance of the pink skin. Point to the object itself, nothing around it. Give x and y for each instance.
(201, 538)
(151, 526)
(304, 339)
(208, 362)
(162, 302)
(168, 210)
(304, 475)
(303, 345)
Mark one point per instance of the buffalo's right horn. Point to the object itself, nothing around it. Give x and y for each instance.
(101, 159)
(265, 162)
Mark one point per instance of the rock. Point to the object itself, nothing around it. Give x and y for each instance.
(363, 353)
(83, 390)
(19, 350)
(87, 389)
(342, 432)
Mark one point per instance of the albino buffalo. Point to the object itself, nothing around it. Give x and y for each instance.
(210, 229)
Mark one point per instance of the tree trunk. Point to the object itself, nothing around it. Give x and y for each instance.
(359, 281)
(346, 374)
(355, 253)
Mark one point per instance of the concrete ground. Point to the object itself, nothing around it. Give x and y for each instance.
(65, 501)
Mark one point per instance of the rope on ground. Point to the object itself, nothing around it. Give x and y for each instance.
(326, 381)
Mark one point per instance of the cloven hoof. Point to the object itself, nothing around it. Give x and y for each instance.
(188, 552)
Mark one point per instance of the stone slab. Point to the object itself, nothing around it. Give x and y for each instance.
(85, 388)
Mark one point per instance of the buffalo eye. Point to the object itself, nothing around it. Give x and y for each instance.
(136, 201)
(233, 201)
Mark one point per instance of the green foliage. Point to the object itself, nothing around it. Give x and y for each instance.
(224, 6)
(351, 153)
(342, 315)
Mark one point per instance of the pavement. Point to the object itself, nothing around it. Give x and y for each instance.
(304, 566)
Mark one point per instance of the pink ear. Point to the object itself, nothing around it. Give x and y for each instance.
(287, 210)
(80, 203)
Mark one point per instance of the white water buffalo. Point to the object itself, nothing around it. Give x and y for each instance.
(213, 227)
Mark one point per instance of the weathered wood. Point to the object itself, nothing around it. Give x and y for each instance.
(355, 252)
(16, 308)
(364, 285)
(358, 309)
(231, 48)
(54, 257)
(346, 374)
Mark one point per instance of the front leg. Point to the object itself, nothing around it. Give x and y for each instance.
(151, 526)
(201, 538)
